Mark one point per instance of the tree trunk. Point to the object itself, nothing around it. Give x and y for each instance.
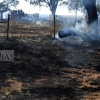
(90, 6)
(1, 15)
(53, 10)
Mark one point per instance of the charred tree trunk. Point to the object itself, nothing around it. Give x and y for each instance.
(90, 6)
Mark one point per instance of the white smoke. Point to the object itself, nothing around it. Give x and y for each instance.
(73, 39)
(94, 32)
(81, 25)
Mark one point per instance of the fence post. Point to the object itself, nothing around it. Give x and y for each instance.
(54, 19)
(8, 27)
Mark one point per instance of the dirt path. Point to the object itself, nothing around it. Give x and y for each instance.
(45, 71)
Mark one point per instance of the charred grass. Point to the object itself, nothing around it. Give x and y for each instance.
(45, 71)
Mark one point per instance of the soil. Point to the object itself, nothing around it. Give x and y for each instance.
(42, 70)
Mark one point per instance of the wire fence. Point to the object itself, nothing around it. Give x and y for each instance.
(14, 27)
(17, 27)
(4, 25)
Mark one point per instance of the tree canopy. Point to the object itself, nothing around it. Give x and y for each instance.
(10, 3)
(52, 4)
(6, 4)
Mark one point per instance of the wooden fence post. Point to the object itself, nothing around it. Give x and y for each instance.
(54, 19)
(8, 27)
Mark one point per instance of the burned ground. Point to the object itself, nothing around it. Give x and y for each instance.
(45, 71)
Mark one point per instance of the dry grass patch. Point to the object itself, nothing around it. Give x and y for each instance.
(11, 86)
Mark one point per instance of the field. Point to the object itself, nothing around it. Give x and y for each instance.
(43, 70)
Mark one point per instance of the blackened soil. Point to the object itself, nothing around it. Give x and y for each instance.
(45, 71)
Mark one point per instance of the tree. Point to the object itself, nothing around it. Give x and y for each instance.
(6, 4)
(17, 14)
(75, 5)
(91, 9)
(3, 8)
(11, 3)
(90, 6)
(52, 4)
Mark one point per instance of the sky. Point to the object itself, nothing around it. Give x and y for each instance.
(44, 10)
(25, 6)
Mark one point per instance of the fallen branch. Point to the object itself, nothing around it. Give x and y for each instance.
(73, 32)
